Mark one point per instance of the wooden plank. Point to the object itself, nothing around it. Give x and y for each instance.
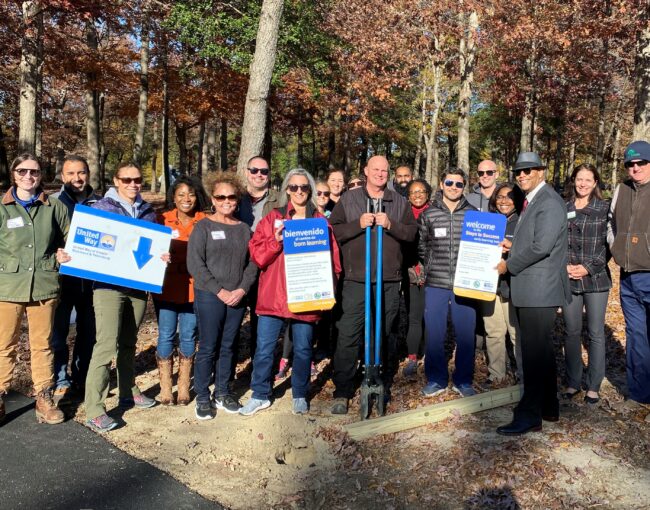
(430, 414)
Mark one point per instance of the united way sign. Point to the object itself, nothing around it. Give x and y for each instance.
(115, 249)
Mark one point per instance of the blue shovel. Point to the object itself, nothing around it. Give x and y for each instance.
(372, 387)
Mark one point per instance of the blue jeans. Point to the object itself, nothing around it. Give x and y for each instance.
(76, 294)
(173, 316)
(218, 328)
(268, 330)
(437, 304)
(635, 301)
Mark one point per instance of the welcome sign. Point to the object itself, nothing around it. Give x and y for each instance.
(110, 248)
(308, 265)
(479, 253)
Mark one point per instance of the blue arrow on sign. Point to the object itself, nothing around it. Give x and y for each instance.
(143, 253)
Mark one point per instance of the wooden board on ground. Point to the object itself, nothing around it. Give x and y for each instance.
(433, 413)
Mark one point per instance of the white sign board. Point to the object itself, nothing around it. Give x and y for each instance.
(110, 248)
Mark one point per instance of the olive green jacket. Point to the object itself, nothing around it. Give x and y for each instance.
(28, 244)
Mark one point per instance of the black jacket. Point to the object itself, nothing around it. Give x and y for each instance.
(351, 238)
(440, 231)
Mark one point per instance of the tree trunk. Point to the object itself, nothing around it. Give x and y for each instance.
(301, 144)
(527, 124)
(4, 163)
(92, 115)
(572, 158)
(38, 139)
(164, 136)
(261, 71)
(138, 148)
(417, 162)
(154, 157)
(181, 141)
(29, 76)
(616, 157)
(600, 140)
(208, 155)
(267, 151)
(431, 138)
(642, 79)
(557, 164)
(467, 62)
(60, 155)
(223, 145)
(200, 149)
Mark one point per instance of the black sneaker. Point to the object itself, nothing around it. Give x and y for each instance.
(204, 411)
(226, 403)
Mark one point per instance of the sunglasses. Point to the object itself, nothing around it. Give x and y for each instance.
(305, 188)
(489, 173)
(631, 164)
(221, 198)
(458, 184)
(34, 172)
(353, 185)
(325, 194)
(129, 180)
(526, 171)
(263, 171)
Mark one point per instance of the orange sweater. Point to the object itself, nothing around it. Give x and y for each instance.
(178, 286)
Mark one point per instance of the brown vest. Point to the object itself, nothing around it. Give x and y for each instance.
(631, 248)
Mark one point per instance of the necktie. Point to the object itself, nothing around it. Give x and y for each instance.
(525, 204)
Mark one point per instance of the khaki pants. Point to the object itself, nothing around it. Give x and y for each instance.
(500, 318)
(40, 316)
(118, 315)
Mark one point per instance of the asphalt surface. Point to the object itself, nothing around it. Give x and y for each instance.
(67, 466)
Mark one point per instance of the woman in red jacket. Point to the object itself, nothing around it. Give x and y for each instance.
(297, 201)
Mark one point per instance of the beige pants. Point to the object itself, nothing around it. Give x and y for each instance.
(499, 318)
(40, 315)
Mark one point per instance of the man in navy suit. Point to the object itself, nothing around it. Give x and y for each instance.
(539, 285)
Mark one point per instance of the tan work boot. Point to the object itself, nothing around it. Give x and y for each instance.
(165, 367)
(184, 376)
(2, 407)
(46, 410)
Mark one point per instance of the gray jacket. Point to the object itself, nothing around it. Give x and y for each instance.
(478, 199)
(538, 257)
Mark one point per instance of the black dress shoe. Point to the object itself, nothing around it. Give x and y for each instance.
(518, 428)
(551, 417)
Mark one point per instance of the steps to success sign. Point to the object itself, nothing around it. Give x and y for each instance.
(479, 253)
(115, 249)
(308, 265)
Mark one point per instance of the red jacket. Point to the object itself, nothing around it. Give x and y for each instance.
(267, 253)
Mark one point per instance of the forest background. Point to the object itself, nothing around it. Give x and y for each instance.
(202, 85)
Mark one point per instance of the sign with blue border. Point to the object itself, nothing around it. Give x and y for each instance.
(118, 250)
(478, 255)
(308, 265)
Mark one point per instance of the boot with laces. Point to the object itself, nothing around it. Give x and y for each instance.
(46, 410)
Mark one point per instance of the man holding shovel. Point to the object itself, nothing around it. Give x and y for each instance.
(350, 219)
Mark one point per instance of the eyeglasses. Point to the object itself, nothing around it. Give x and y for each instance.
(129, 180)
(505, 198)
(489, 173)
(325, 194)
(305, 188)
(417, 192)
(221, 198)
(632, 164)
(525, 170)
(458, 184)
(263, 171)
(353, 185)
(34, 172)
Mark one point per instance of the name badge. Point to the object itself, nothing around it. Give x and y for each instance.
(218, 234)
(440, 232)
(175, 234)
(570, 215)
(15, 222)
(277, 224)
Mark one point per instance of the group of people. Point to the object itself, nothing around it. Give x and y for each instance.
(227, 254)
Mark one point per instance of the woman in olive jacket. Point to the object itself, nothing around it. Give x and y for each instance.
(33, 228)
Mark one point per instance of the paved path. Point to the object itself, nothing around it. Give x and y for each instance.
(69, 467)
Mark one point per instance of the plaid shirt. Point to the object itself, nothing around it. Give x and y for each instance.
(588, 245)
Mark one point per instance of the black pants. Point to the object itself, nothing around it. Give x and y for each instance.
(351, 333)
(538, 357)
(414, 295)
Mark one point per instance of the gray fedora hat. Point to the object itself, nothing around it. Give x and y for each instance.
(528, 160)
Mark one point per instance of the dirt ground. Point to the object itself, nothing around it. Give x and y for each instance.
(594, 457)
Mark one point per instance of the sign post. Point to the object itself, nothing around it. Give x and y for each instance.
(308, 265)
(478, 255)
(110, 248)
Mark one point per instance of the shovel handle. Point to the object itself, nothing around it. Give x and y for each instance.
(368, 315)
(378, 287)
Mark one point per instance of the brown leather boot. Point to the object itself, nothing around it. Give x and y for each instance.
(184, 375)
(165, 368)
(46, 410)
(2, 407)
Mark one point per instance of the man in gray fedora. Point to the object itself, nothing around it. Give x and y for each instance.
(538, 286)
